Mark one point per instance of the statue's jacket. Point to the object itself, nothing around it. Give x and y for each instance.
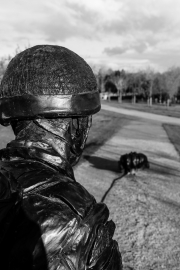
(48, 221)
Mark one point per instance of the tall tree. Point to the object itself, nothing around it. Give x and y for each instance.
(172, 79)
(150, 74)
(119, 79)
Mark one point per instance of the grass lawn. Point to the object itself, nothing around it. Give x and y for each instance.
(173, 133)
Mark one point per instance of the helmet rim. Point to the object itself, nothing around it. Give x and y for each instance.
(48, 106)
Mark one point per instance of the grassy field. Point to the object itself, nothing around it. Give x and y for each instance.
(173, 133)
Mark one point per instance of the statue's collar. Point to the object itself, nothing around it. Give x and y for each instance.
(33, 154)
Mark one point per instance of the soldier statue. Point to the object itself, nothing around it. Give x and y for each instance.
(48, 221)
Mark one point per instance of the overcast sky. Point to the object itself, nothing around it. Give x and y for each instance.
(129, 34)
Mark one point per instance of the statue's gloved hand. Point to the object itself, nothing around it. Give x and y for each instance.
(129, 163)
(105, 253)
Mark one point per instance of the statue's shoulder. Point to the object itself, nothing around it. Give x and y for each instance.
(71, 221)
(62, 192)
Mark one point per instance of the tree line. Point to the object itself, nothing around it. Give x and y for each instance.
(146, 85)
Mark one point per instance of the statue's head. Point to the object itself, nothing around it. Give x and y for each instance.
(52, 87)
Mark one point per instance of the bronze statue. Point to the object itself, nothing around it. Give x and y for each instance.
(48, 221)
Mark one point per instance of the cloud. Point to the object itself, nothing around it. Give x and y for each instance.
(137, 22)
(60, 20)
(115, 50)
(137, 46)
(60, 26)
(52, 21)
(144, 25)
(97, 29)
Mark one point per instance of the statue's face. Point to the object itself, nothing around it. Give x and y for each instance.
(73, 131)
(67, 136)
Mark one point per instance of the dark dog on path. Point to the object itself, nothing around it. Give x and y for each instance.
(130, 163)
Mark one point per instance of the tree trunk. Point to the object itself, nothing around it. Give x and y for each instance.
(134, 99)
(120, 97)
(150, 94)
(102, 87)
(150, 101)
(109, 97)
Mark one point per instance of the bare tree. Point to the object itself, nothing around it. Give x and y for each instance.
(119, 79)
(172, 79)
(150, 75)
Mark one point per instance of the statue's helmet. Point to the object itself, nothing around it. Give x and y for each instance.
(47, 81)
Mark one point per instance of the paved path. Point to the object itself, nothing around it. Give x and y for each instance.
(145, 208)
(150, 116)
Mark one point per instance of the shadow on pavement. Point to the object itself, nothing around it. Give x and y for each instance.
(102, 163)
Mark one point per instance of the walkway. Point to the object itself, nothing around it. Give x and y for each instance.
(150, 116)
